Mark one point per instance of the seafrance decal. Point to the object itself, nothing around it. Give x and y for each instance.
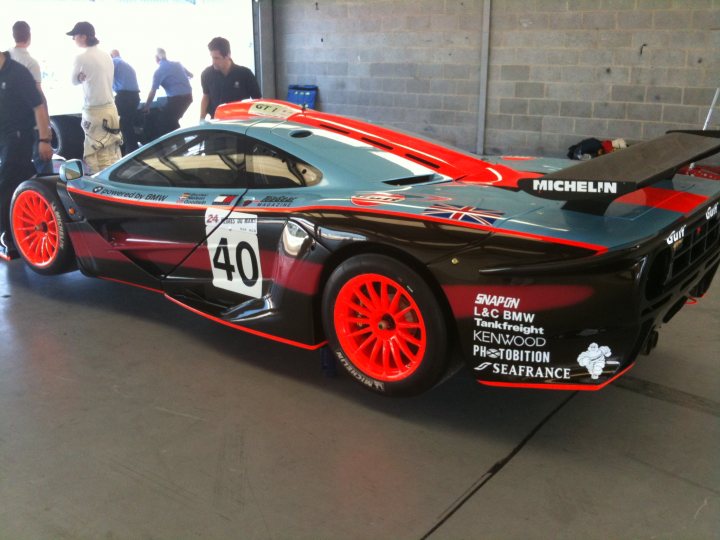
(508, 341)
(234, 252)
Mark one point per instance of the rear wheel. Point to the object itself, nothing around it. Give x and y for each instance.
(385, 325)
(39, 229)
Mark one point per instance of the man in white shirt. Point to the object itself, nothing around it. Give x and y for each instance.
(20, 53)
(94, 70)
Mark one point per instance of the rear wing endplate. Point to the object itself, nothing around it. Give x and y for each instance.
(592, 185)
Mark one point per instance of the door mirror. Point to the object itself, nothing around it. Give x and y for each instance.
(71, 170)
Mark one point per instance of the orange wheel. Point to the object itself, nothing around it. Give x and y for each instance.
(380, 327)
(38, 226)
(385, 326)
(35, 228)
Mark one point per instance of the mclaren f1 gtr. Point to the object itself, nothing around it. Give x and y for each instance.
(403, 256)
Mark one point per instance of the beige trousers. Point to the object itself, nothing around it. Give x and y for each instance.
(102, 136)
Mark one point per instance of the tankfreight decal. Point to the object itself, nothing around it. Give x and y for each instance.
(509, 342)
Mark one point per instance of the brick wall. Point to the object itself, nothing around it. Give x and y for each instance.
(559, 70)
(413, 64)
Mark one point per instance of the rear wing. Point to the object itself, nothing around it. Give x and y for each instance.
(592, 185)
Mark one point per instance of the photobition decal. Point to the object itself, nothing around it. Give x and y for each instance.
(234, 252)
(510, 341)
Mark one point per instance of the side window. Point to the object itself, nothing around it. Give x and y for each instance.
(268, 168)
(204, 159)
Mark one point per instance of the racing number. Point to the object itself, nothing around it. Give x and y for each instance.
(234, 252)
(221, 261)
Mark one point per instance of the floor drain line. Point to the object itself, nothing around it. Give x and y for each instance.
(492, 471)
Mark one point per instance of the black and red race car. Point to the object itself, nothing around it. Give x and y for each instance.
(395, 252)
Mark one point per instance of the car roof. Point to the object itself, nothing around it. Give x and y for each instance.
(335, 154)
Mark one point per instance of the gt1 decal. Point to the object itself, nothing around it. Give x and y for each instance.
(594, 359)
(271, 109)
(234, 252)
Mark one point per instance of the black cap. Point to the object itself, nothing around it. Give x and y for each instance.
(82, 28)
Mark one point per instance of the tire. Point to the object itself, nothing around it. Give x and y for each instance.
(365, 301)
(39, 228)
(67, 136)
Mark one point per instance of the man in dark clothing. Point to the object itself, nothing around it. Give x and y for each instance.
(224, 81)
(21, 109)
(127, 99)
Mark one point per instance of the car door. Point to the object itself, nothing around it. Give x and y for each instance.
(241, 257)
(149, 212)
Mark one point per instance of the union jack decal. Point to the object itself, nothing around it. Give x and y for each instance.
(463, 213)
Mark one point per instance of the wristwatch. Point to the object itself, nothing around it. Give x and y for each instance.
(45, 140)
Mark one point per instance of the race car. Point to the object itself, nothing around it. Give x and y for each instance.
(403, 257)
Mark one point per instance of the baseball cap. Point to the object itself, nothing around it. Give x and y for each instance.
(82, 28)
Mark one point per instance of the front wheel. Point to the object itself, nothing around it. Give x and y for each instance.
(39, 228)
(385, 325)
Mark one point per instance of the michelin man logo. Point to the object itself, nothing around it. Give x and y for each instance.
(594, 359)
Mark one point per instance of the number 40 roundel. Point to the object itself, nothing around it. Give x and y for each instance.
(234, 253)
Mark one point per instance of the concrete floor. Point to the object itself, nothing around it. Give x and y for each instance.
(123, 416)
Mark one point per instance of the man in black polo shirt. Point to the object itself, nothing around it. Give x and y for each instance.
(21, 109)
(224, 81)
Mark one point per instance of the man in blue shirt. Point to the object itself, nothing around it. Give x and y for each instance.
(127, 99)
(175, 80)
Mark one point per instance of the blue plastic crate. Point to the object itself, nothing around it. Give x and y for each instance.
(303, 94)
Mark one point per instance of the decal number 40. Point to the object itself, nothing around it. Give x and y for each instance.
(234, 252)
(222, 261)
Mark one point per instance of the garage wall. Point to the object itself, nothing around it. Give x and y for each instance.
(559, 70)
(411, 63)
(567, 70)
